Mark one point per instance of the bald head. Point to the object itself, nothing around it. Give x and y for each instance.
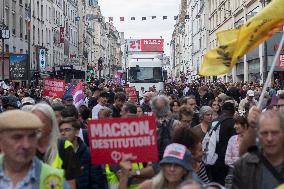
(271, 133)
(270, 115)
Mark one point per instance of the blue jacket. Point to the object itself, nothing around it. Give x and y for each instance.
(92, 177)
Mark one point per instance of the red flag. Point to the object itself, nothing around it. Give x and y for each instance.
(121, 19)
(61, 39)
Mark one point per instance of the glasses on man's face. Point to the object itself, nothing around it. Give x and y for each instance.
(65, 130)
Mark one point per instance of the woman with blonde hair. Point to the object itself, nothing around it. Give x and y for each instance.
(51, 149)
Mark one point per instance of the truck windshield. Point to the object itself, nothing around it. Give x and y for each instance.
(145, 75)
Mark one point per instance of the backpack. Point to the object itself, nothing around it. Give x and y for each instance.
(210, 141)
(164, 136)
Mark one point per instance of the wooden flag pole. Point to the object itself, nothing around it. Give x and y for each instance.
(270, 72)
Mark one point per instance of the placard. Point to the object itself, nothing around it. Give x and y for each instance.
(110, 139)
(131, 93)
(53, 88)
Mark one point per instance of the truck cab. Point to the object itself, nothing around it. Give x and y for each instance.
(145, 71)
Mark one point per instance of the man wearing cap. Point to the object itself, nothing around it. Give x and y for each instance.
(249, 98)
(68, 100)
(28, 101)
(19, 168)
(10, 103)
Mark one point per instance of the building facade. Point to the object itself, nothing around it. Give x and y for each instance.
(71, 33)
(206, 18)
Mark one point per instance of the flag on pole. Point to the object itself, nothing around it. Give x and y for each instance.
(78, 94)
(154, 17)
(143, 18)
(132, 18)
(165, 17)
(122, 19)
(110, 19)
(235, 44)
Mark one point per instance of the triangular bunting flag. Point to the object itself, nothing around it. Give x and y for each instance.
(154, 17)
(143, 18)
(187, 17)
(110, 19)
(132, 18)
(121, 19)
(165, 17)
(176, 17)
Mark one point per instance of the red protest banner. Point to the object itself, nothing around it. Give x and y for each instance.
(131, 93)
(53, 88)
(110, 139)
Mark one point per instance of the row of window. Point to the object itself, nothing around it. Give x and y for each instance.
(220, 15)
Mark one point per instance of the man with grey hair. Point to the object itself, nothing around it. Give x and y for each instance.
(161, 109)
(265, 168)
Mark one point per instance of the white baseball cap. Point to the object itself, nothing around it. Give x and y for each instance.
(250, 93)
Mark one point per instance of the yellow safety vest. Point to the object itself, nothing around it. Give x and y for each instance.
(58, 162)
(113, 180)
(51, 178)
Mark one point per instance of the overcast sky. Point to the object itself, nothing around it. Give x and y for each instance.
(138, 29)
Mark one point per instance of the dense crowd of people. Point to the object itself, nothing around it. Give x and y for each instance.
(209, 135)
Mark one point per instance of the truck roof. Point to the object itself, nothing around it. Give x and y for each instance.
(146, 62)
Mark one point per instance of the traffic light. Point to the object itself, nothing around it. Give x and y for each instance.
(90, 78)
(90, 69)
(100, 64)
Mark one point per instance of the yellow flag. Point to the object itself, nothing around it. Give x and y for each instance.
(227, 36)
(249, 36)
(280, 187)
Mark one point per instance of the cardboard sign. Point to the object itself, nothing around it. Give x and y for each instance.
(131, 93)
(53, 88)
(110, 139)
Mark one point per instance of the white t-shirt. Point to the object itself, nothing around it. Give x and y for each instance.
(95, 111)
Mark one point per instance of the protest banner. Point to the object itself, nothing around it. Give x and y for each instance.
(53, 88)
(110, 139)
(131, 93)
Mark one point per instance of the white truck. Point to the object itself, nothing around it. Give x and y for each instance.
(145, 68)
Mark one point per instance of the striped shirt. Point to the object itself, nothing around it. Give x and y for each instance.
(203, 174)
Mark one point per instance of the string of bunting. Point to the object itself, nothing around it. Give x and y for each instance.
(90, 17)
(144, 18)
